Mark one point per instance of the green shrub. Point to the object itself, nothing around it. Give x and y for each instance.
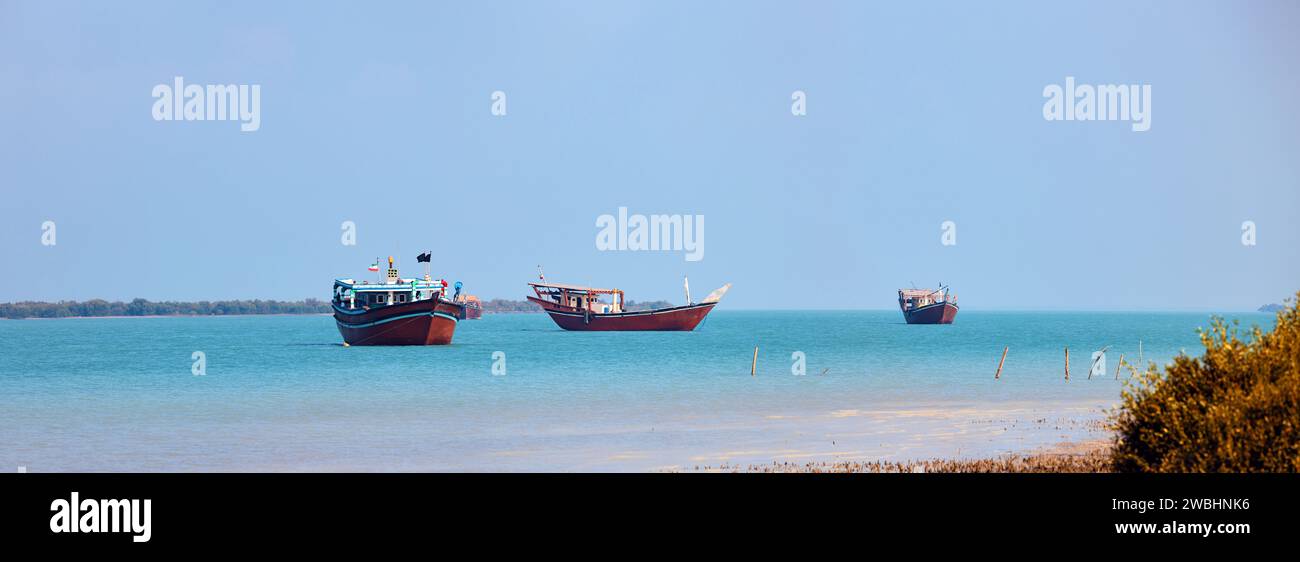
(1235, 409)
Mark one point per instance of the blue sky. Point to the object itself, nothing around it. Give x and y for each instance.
(380, 114)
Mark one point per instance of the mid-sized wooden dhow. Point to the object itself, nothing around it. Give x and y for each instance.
(395, 310)
(926, 306)
(581, 309)
(473, 308)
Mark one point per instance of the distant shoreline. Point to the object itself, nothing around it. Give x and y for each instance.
(143, 308)
(539, 311)
(127, 316)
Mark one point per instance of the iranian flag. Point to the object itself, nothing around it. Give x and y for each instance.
(373, 267)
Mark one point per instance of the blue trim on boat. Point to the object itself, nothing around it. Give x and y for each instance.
(401, 317)
(356, 311)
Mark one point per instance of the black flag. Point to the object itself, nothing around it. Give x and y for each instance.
(423, 257)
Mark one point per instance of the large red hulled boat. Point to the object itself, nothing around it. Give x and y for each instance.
(579, 308)
(395, 311)
(924, 306)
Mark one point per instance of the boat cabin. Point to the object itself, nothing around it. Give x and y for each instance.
(911, 299)
(581, 299)
(352, 295)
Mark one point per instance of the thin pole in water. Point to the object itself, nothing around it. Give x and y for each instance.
(998, 374)
(1119, 365)
(1067, 363)
(1093, 367)
(754, 366)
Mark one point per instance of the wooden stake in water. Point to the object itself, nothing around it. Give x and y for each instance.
(1119, 365)
(1067, 363)
(998, 374)
(754, 366)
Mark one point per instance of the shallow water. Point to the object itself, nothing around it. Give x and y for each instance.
(281, 393)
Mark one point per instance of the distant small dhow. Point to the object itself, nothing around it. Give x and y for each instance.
(471, 307)
(926, 306)
(396, 311)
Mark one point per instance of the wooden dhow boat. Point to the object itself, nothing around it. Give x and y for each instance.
(395, 310)
(925, 306)
(582, 309)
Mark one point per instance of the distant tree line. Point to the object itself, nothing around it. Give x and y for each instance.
(506, 305)
(142, 307)
(647, 305)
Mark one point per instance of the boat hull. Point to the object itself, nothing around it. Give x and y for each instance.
(676, 319)
(426, 322)
(938, 313)
(471, 312)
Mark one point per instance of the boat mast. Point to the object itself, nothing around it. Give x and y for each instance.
(686, 282)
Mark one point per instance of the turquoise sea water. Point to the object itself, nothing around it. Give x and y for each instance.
(281, 393)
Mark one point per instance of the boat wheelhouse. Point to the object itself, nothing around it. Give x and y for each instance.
(395, 310)
(579, 308)
(926, 306)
